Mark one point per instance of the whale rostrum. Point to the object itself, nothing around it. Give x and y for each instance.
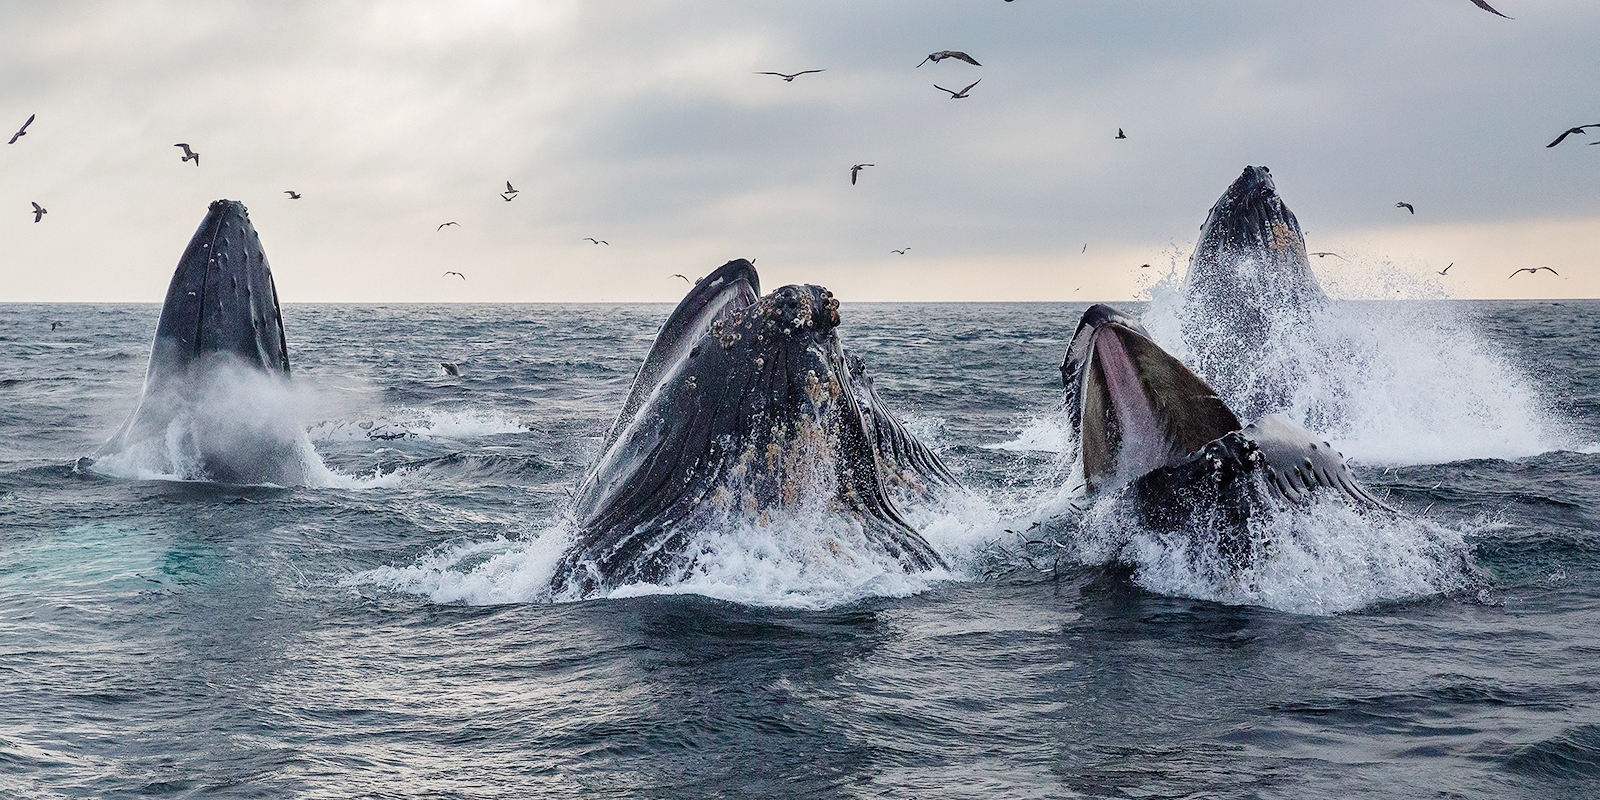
(746, 408)
(219, 342)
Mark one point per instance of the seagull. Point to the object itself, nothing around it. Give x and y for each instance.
(22, 131)
(789, 78)
(1447, 269)
(1120, 134)
(450, 369)
(955, 54)
(960, 94)
(508, 196)
(1085, 249)
(1406, 206)
(1144, 266)
(442, 227)
(55, 325)
(901, 252)
(457, 274)
(509, 189)
(189, 154)
(597, 241)
(684, 277)
(1486, 7)
(1531, 269)
(292, 194)
(1325, 255)
(38, 212)
(1564, 134)
(857, 168)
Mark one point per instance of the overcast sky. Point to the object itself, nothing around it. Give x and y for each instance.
(641, 123)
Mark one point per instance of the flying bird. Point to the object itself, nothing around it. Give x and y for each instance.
(449, 368)
(901, 252)
(1120, 134)
(857, 168)
(1483, 5)
(788, 78)
(509, 188)
(55, 325)
(684, 277)
(442, 227)
(1447, 269)
(1568, 132)
(189, 154)
(38, 212)
(457, 274)
(1144, 266)
(22, 131)
(1532, 269)
(955, 54)
(293, 195)
(1325, 255)
(1406, 206)
(507, 196)
(960, 94)
(1085, 249)
(597, 241)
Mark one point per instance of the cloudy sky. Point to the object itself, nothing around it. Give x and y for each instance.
(641, 122)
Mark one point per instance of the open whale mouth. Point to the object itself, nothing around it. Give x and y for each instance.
(1135, 407)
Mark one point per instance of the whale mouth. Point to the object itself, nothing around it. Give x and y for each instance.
(1135, 407)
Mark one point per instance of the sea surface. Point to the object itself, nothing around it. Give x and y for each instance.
(385, 630)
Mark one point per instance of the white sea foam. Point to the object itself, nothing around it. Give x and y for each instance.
(1047, 434)
(811, 560)
(1406, 382)
(419, 423)
(1324, 558)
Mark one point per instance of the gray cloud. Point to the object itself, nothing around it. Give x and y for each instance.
(642, 123)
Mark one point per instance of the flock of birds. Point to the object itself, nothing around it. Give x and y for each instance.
(511, 192)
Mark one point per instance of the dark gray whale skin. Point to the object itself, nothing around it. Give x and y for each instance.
(1158, 436)
(222, 306)
(742, 405)
(1249, 286)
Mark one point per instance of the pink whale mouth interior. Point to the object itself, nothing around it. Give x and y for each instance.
(1142, 409)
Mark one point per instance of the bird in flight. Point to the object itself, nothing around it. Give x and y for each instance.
(684, 277)
(1085, 249)
(450, 369)
(22, 131)
(789, 78)
(597, 241)
(509, 188)
(955, 54)
(507, 197)
(1568, 132)
(1325, 255)
(901, 252)
(1406, 206)
(1144, 266)
(856, 169)
(457, 274)
(1447, 269)
(38, 212)
(189, 154)
(960, 94)
(56, 324)
(293, 195)
(1486, 7)
(1532, 269)
(1120, 134)
(442, 227)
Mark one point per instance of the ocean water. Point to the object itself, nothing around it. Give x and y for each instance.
(384, 630)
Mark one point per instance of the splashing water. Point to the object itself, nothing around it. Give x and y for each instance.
(1406, 382)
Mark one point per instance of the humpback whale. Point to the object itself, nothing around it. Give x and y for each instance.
(219, 353)
(1249, 297)
(1160, 439)
(746, 408)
